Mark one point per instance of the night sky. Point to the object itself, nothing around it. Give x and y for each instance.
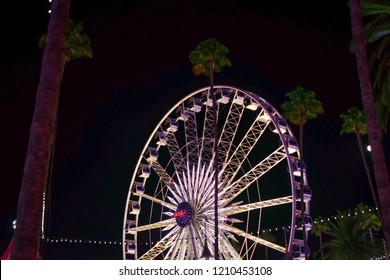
(110, 104)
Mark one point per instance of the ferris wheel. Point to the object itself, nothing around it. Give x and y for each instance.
(169, 212)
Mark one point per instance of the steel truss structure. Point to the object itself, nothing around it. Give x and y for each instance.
(169, 212)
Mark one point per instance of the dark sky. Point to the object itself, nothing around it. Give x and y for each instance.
(110, 104)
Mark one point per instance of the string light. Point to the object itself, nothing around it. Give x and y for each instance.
(69, 240)
(113, 242)
(385, 257)
(49, 10)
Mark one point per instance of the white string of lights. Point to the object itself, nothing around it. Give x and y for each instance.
(385, 257)
(80, 241)
(49, 10)
(280, 228)
(115, 242)
(322, 220)
(95, 242)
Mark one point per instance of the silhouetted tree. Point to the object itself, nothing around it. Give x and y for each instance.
(301, 107)
(63, 42)
(373, 130)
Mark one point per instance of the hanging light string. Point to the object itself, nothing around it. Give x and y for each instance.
(95, 242)
(49, 6)
(116, 242)
(81, 241)
(142, 243)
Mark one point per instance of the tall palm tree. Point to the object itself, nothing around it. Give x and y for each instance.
(349, 241)
(377, 37)
(301, 107)
(28, 232)
(353, 122)
(319, 227)
(209, 57)
(63, 42)
(77, 45)
(373, 130)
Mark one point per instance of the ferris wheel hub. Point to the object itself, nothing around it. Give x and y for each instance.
(183, 214)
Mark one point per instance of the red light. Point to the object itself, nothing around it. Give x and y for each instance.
(179, 214)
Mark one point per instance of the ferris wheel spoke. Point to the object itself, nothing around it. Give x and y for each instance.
(161, 245)
(233, 165)
(182, 187)
(160, 171)
(184, 251)
(176, 193)
(254, 238)
(205, 187)
(208, 196)
(194, 241)
(156, 200)
(160, 224)
(252, 175)
(166, 179)
(207, 144)
(174, 251)
(191, 182)
(188, 182)
(229, 131)
(175, 152)
(198, 182)
(228, 250)
(228, 211)
(191, 135)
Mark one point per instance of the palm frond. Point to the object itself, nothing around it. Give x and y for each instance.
(353, 121)
(349, 241)
(301, 102)
(371, 9)
(209, 52)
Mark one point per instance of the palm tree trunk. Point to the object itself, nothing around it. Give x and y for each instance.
(302, 186)
(371, 233)
(322, 251)
(370, 183)
(378, 159)
(35, 176)
(216, 159)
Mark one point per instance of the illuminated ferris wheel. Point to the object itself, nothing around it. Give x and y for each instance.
(169, 212)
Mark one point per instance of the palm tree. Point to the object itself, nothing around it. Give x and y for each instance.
(377, 36)
(301, 107)
(369, 220)
(78, 45)
(266, 235)
(349, 241)
(374, 133)
(319, 227)
(209, 57)
(27, 233)
(60, 45)
(353, 122)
